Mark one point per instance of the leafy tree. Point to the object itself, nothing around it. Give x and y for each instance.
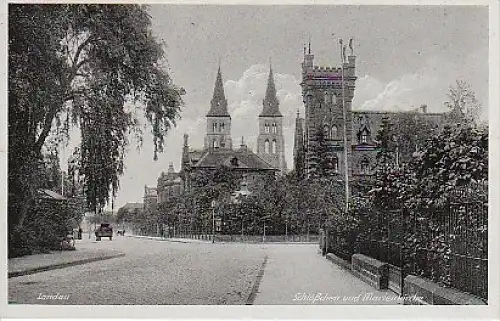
(82, 65)
(387, 171)
(323, 160)
(412, 130)
(456, 157)
(463, 103)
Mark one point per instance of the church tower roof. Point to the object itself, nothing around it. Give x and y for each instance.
(218, 104)
(270, 102)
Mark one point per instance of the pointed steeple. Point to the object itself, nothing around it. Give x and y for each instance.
(270, 102)
(218, 105)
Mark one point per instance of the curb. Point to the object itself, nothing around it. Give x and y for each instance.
(255, 288)
(210, 242)
(62, 265)
(168, 240)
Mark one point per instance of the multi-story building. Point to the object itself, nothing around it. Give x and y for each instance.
(150, 198)
(219, 151)
(325, 97)
(169, 185)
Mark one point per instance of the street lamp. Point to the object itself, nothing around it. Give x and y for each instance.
(237, 197)
(214, 203)
(344, 116)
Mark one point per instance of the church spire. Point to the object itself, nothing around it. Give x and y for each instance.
(218, 105)
(270, 103)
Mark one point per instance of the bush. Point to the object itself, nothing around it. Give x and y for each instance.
(47, 223)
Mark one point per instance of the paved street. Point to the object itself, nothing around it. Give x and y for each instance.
(159, 272)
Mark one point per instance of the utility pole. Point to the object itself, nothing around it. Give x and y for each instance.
(344, 114)
(213, 221)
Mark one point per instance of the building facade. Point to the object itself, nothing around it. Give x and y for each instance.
(219, 150)
(150, 198)
(325, 97)
(271, 142)
(169, 185)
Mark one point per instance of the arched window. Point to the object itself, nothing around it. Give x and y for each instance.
(266, 128)
(275, 128)
(326, 131)
(266, 147)
(335, 164)
(334, 132)
(274, 146)
(365, 166)
(364, 137)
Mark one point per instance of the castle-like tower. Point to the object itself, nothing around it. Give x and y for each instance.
(322, 95)
(270, 142)
(218, 119)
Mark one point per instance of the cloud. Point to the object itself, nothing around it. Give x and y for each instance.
(245, 97)
(405, 93)
(428, 85)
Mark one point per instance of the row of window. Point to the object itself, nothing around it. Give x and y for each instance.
(364, 166)
(218, 127)
(268, 127)
(325, 98)
(331, 133)
(363, 138)
(215, 144)
(272, 145)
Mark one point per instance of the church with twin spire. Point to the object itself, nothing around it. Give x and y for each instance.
(219, 149)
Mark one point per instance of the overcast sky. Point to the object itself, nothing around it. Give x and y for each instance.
(406, 56)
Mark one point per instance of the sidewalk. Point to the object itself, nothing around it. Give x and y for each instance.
(31, 264)
(300, 275)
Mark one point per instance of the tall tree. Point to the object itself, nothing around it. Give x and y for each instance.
(86, 66)
(323, 160)
(387, 170)
(463, 103)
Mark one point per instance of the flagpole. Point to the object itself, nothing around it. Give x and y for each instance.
(344, 114)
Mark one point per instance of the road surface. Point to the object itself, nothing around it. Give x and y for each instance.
(170, 273)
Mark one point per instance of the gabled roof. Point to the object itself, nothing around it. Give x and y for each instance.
(133, 206)
(195, 156)
(238, 159)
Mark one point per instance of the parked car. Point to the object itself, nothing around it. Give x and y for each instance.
(105, 230)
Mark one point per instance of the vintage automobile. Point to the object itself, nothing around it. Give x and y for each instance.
(105, 230)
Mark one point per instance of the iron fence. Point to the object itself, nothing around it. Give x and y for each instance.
(447, 243)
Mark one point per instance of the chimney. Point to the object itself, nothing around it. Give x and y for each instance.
(423, 108)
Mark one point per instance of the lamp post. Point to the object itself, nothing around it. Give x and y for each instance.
(344, 116)
(214, 203)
